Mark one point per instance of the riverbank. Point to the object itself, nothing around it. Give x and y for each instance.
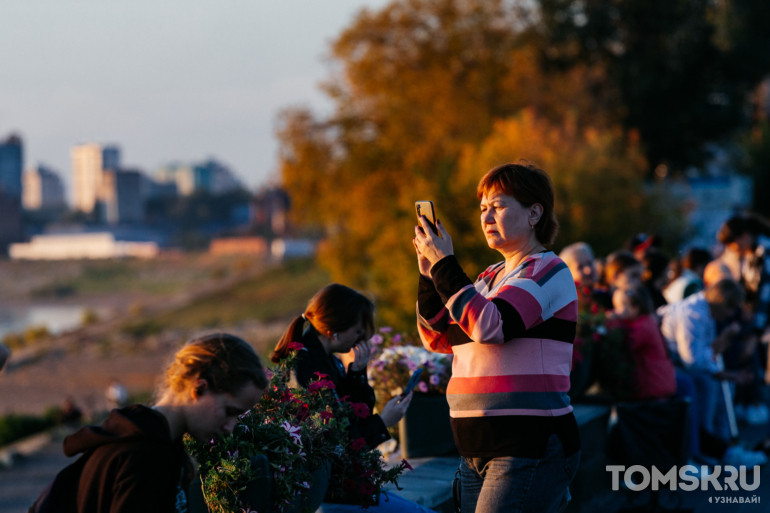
(152, 308)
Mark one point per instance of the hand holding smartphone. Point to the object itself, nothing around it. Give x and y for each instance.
(425, 208)
(413, 380)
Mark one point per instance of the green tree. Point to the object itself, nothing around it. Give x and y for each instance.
(683, 69)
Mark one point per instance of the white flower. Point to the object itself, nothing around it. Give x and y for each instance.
(294, 432)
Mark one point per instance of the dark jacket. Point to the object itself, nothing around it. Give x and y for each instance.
(129, 463)
(350, 384)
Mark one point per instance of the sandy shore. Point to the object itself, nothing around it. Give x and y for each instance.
(80, 364)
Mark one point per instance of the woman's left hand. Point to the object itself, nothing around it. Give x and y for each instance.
(395, 409)
(429, 245)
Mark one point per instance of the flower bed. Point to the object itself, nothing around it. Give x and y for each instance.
(299, 430)
(397, 356)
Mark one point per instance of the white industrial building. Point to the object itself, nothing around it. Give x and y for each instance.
(80, 246)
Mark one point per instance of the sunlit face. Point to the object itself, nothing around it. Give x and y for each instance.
(345, 340)
(630, 278)
(214, 414)
(581, 265)
(621, 304)
(506, 222)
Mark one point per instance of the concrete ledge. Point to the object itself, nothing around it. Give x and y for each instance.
(588, 489)
(430, 483)
(9, 454)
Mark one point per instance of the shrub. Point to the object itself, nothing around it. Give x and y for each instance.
(89, 317)
(14, 427)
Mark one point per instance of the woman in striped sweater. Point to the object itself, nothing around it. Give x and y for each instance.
(511, 334)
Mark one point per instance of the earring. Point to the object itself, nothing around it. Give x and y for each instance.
(335, 337)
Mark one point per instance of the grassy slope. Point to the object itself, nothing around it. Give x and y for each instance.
(270, 296)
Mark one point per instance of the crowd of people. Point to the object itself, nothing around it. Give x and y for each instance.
(694, 327)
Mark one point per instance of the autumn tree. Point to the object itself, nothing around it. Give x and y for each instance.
(421, 90)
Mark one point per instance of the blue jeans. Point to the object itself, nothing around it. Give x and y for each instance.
(514, 484)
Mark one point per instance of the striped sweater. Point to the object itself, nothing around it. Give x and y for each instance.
(512, 347)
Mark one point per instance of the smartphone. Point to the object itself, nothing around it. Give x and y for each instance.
(425, 208)
(412, 382)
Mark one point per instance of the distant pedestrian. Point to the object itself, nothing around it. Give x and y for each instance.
(5, 353)
(116, 394)
(135, 460)
(70, 414)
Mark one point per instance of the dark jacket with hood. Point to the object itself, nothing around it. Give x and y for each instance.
(129, 463)
(351, 384)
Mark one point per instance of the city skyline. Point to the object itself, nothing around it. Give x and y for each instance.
(172, 82)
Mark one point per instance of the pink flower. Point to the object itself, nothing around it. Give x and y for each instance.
(406, 464)
(326, 415)
(422, 387)
(295, 346)
(376, 339)
(321, 384)
(303, 412)
(434, 380)
(360, 410)
(386, 329)
(396, 338)
(358, 444)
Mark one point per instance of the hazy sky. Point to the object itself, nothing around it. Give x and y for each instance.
(168, 80)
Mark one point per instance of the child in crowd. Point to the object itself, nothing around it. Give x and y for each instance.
(653, 369)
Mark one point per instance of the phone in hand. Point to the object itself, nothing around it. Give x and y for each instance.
(412, 383)
(425, 208)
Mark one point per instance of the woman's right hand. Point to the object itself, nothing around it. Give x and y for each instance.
(395, 409)
(430, 246)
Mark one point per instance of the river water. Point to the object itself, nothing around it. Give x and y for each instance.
(56, 318)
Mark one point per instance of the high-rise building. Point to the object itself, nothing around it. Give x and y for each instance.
(42, 189)
(210, 176)
(187, 177)
(11, 165)
(122, 196)
(88, 164)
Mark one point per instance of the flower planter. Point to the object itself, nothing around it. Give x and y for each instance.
(319, 482)
(425, 431)
(258, 493)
